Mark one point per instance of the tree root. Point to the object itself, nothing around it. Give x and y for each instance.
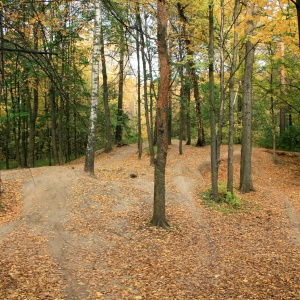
(160, 223)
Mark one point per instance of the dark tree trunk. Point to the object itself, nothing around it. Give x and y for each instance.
(53, 124)
(33, 110)
(108, 144)
(140, 140)
(222, 83)
(188, 116)
(159, 210)
(231, 101)
(148, 125)
(120, 121)
(193, 76)
(214, 158)
(246, 184)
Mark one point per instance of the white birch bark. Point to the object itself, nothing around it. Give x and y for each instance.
(91, 143)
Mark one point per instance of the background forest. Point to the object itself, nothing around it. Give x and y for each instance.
(45, 69)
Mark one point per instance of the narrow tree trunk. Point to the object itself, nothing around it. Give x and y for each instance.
(120, 121)
(148, 125)
(53, 125)
(213, 134)
(182, 109)
(139, 120)
(188, 115)
(91, 143)
(231, 100)
(108, 143)
(32, 122)
(7, 128)
(193, 75)
(282, 111)
(222, 84)
(273, 127)
(159, 211)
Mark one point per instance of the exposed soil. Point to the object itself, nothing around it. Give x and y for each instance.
(66, 235)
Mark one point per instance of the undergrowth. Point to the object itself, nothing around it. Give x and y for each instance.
(227, 202)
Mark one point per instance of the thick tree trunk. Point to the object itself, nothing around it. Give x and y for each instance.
(213, 134)
(246, 184)
(91, 143)
(159, 212)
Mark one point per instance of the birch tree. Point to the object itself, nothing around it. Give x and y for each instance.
(91, 143)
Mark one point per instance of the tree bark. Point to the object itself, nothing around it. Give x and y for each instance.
(231, 100)
(159, 212)
(193, 76)
(53, 125)
(108, 135)
(222, 84)
(140, 140)
(246, 184)
(146, 106)
(214, 158)
(91, 143)
(120, 121)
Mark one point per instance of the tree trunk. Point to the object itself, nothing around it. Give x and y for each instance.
(222, 84)
(193, 75)
(53, 125)
(231, 100)
(108, 143)
(148, 125)
(159, 212)
(282, 111)
(91, 143)
(188, 115)
(32, 122)
(246, 184)
(140, 140)
(120, 121)
(214, 158)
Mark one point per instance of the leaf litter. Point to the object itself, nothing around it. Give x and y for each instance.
(102, 247)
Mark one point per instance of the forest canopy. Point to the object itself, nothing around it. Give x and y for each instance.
(45, 75)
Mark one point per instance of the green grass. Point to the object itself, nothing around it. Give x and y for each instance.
(226, 203)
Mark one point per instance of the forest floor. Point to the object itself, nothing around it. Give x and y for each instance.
(66, 235)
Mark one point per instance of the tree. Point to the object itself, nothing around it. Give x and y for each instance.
(192, 73)
(214, 146)
(246, 184)
(146, 106)
(232, 96)
(159, 213)
(120, 121)
(297, 4)
(91, 143)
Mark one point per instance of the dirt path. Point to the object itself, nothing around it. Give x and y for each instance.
(80, 237)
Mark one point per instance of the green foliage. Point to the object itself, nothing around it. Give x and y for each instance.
(289, 140)
(227, 202)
